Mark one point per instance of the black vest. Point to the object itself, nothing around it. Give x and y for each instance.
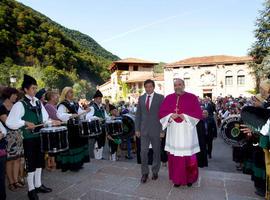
(72, 108)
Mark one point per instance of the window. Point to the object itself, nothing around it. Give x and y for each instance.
(123, 67)
(135, 68)
(187, 79)
(229, 78)
(176, 75)
(240, 80)
(240, 77)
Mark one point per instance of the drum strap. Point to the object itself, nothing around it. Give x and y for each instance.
(72, 108)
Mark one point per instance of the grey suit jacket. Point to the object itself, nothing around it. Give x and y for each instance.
(148, 122)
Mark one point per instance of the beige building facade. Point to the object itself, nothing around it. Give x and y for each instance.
(212, 76)
(127, 78)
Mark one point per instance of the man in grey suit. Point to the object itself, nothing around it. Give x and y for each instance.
(148, 128)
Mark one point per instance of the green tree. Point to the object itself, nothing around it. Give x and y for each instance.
(32, 41)
(83, 89)
(4, 71)
(261, 47)
(55, 78)
(159, 68)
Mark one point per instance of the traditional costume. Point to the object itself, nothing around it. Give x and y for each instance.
(97, 111)
(30, 109)
(78, 152)
(113, 140)
(3, 155)
(265, 140)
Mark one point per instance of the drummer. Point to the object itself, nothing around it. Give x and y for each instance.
(98, 112)
(24, 115)
(52, 98)
(78, 153)
(113, 141)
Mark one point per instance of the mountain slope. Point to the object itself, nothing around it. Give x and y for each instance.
(28, 38)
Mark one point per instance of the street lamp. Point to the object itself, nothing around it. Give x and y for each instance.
(12, 80)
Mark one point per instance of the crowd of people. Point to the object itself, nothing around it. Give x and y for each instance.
(178, 129)
(22, 115)
(253, 156)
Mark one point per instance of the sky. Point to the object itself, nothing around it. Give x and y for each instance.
(159, 30)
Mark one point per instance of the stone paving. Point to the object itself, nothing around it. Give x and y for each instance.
(106, 180)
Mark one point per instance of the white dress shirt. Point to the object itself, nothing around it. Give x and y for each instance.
(151, 98)
(62, 112)
(90, 115)
(14, 120)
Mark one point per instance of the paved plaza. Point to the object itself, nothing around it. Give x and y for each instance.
(106, 180)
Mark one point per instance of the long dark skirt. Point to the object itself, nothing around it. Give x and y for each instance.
(259, 172)
(77, 154)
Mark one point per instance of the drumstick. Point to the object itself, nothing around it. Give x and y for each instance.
(38, 125)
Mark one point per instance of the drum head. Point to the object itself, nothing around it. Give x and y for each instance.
(128, 125)
(231, 133)
(53, 129)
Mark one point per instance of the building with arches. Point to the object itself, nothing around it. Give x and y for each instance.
(127, 78)
(212, 76)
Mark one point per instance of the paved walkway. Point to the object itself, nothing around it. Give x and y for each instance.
(105, 180)
(102, 180)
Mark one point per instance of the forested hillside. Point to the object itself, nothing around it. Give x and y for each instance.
(32, 43)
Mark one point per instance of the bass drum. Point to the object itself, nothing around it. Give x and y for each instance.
(128, 125)
(231, 133)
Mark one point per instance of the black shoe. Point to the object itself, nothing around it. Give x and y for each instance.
(210, 156)
(155, 176)
(260, 193)
(189, 184)
(129, 157)
(43, 189)
(64, 170)
(75, 170)
(144, 178)
(176, 185)
(32, 195)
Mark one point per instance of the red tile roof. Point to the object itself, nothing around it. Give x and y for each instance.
(158, 77)
(210, 60)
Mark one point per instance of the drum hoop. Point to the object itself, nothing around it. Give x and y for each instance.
(59, 150)
(114, 122)
(53, 129)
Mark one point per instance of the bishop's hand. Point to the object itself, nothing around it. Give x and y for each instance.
(182, 117)
(174, 116)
